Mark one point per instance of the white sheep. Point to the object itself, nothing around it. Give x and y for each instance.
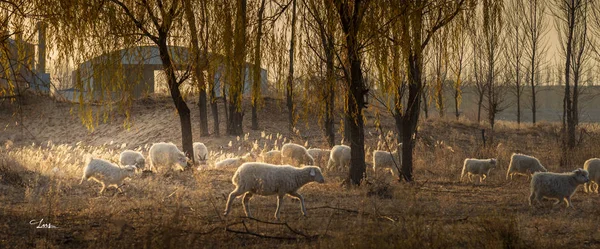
(292, 153)
(339, 157)
(167, 155)
(593, 167)
(200, 152)
(236, 161)
(559, 186)
(319, 155)
(268, 179)
(130, 157)
(272, 157)
(106, 173)
(523, 165)
(385, 159)
(479, 167)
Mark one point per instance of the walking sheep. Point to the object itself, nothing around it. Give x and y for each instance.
(319, 155)
(167, 155)
(106, 173)
(295, 154)
(339, 157)
(200, 152)
(130, 157)
(268, 179)
(385, 159)
(272, 157)
(236, 161)
(479, 167)
(559, 186)
(593, 167)
(523, 165)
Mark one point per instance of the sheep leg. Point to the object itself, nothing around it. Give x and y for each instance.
(235, 193)
(279, 204)
(532, 197)
(103, 188)
(299, 196)
(245, 200)
(568, 201)
(585, 187)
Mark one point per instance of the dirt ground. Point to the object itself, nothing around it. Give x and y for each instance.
(41, 161)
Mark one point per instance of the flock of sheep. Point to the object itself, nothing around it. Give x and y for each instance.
(544, 184)
(275, 175)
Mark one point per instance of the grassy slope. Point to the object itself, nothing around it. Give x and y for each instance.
(42, 181)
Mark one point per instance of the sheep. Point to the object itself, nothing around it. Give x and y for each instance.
(523, 165)
(130, 157)
(339, 157)
(168, 155)
(268, 179)
(319, 155)
(106, 173)
(559, 186)
(292, 153)
(200, 152)
(479, 167)
(385, 159)
(593, 167)
(272, 157)
(236, 161)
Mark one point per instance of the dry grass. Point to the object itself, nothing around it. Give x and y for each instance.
(177, 210)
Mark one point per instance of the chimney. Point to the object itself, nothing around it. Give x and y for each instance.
(41, 66)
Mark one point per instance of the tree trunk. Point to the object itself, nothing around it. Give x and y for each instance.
(256, 80)
(213, 104)
(411, 116)
(290, 80)
(532, 83)
(236, 88)
(180, 105)
(197, 67)
(330, 95)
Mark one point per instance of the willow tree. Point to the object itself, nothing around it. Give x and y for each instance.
(321, 23)
(416, 34)
(351, 14)
(289, 90)
(199, 58)
(90, 28)
(440, 68)
(256, 79)
(237, 70)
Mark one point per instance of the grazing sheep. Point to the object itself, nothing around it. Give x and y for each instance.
(236, 161)
(559, 186)
(523, 165)
(268, 179)
(292, 153)
(319, 155)
(130, 157)
(385, 159)
(200, 152)
(479, 167)
(272, 157)
(168, 155)
(106, 173)
(339, 157)
(593, 167)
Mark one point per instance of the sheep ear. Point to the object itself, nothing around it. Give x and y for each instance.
(312, 172)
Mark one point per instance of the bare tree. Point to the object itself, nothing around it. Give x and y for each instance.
(440, 67)
(536, 27)
(459, 55)
(236, 85)
(290, 81)
(493, 35)
(515, 39)
(256, 78)
(571, 23)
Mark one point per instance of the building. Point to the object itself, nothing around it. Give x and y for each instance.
(139, 71)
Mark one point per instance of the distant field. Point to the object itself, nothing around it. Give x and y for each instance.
(41, 166)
